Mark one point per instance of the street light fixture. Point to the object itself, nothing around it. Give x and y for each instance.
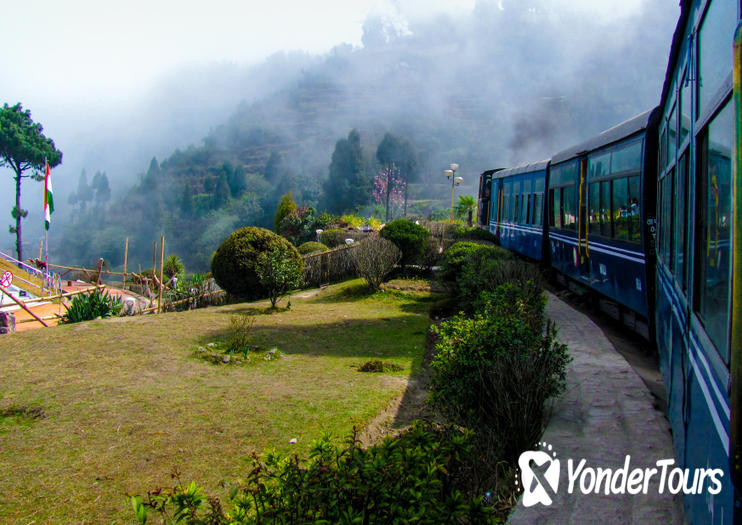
(455, 181)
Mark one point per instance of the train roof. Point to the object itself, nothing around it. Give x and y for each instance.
(523, 168)
(609, 136)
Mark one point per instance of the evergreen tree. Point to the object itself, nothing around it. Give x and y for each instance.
(286, 207)
(84, 191)
(222, 192)
(22, 147)
(348, 185)
(153, 174)
(101, 188)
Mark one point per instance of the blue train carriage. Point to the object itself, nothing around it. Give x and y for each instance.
(698, 310)
(602, 228)
(517, 208)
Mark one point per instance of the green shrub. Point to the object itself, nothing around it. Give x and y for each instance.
(481, 274)
(279, 270)
(233, 263)
(412, 478)
(351, 221)
(496, 370)
(462, 252)
(312, 247)
(473, 233)
(89, 306)
(173, 267)
(409, 237)
(239, 334)
(286, 207)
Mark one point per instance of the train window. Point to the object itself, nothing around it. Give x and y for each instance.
(627, 157)
(538, 208)
(555, 218)
(569, 208)
(714, 227)
(605, 209)
(672, 136)
(529, 219)
(620, 209)
(516, 208)
(666, 220)
(715, 49)
(681, 220)
(593, 208)
(599, 165)
(564, 174)
(663, 149)
(634, 210)
(685, 111)
(539, 184)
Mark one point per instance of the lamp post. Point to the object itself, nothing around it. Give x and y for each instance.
(455, 181)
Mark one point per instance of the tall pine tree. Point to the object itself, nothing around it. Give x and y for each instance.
(348, 185)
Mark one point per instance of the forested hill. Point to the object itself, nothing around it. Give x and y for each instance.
(491, 88)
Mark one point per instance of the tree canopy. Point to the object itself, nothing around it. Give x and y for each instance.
(348, 185)
(23, 147)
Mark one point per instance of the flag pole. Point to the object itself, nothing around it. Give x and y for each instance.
(46, 230)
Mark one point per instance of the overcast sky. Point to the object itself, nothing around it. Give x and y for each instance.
(95, 51)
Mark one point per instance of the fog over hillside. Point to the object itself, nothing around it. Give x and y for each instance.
(506, 82)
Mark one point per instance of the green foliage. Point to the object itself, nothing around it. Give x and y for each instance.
(234, 262)
(411, 478)
(465, 208)
(472, 233)
(286, 207)
(460, 253)
(173, 267)
(497, 369)
(348, 184)
(351, 221)
(279, 271)
(409, 237)
(89, 306)
(239, 334)
(486, 274)
(23, 146)
(312, 247)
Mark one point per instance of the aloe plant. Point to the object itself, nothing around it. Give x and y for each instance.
(93, 305)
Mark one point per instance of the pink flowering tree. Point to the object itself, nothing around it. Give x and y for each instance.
(388, 189)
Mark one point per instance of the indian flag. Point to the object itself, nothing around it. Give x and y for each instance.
(48, 198)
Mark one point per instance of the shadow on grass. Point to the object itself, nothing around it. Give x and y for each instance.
(256, 310)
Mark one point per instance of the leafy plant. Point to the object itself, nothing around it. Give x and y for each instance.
(412, 478)
(312, 247)
(173, 267)
(351, 221)
(409, 237)
(497, 369)
(461, 253)
(286, 207)
(234, 262)
(374, 259)
(279, 270)
(239, 335)
(92, 305)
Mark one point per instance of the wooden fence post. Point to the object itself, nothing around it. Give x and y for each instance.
(162, 260)
(126, 257)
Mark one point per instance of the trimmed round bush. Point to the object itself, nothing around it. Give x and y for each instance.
(312, 247)
(409, 237)
(233, 263)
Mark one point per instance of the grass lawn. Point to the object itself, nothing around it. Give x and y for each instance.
(112, 407)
